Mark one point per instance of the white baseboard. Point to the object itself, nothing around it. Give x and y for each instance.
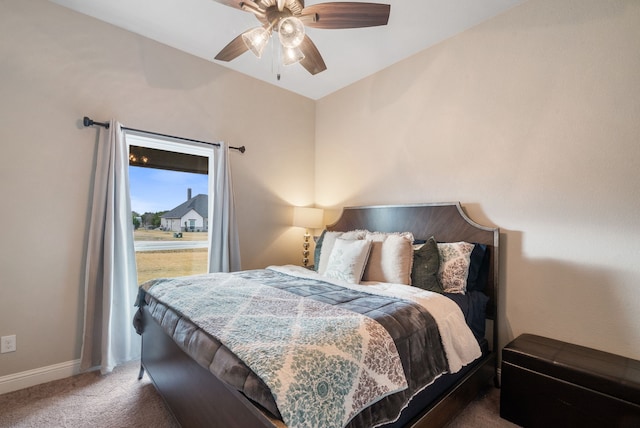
(34, 377)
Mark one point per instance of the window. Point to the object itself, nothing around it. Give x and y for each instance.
(170, 187)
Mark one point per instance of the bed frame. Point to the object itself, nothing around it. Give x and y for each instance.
(198, 399)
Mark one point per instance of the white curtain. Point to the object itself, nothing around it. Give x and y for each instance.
(224, 254)
(110, 276)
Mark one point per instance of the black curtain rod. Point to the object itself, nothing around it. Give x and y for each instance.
(88, 122)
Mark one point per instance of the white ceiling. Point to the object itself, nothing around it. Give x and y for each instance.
(203, 27)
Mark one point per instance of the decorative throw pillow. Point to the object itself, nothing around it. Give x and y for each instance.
(391, 257)
(318, 249)
(454, 266)
(426, 263)
(326, 245)
(347, 260)
(478, 268)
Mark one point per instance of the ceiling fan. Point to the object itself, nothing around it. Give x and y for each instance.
(289, 17)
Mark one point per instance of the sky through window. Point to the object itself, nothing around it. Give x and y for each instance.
(154, 190)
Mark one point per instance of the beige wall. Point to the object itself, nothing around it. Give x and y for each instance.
(532, 121)
(57, 66)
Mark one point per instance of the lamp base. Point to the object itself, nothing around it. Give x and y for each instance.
(305, 249)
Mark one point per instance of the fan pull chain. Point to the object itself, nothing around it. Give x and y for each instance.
(276, 61)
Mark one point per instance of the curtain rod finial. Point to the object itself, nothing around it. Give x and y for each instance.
(89, 122)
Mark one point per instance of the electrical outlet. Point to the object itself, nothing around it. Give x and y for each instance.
(7, 344)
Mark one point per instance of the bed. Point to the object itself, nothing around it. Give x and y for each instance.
(192, 386)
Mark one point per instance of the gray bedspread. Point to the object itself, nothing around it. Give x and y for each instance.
(413, 330)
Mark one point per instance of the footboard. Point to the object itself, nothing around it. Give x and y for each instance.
(194, 396)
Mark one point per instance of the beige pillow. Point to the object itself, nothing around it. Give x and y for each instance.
(327, 245)
(391, 257)
(348, 259)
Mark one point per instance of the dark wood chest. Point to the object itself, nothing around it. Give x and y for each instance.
(549, 383)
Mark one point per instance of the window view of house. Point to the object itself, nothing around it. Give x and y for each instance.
(190, 216)
(170, 208)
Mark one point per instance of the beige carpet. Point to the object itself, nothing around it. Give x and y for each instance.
(120, 400)
(88, 400)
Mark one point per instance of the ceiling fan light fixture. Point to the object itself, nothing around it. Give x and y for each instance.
(256, 39)
(291, 55)
(291, 32)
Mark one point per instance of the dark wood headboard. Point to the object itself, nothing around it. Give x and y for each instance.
(447, 222)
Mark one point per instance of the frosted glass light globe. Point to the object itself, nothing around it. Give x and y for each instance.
(256, 39)
(291, 32)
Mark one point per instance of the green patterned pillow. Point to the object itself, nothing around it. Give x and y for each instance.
(426, 263)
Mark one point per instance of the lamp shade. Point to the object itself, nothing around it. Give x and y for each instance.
(310, 218)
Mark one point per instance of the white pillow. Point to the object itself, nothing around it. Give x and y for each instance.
(391, 257)
(327, 245)
(455, 258)
(348, 259)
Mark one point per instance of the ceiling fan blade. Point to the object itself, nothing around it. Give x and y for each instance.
(234, 49)
(336, 15)
(245, 5)
(236, 4)
(312, 60)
